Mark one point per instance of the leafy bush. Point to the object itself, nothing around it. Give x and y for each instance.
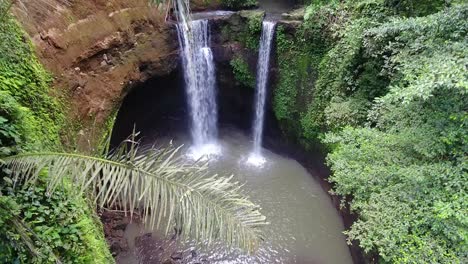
(415, 7)
(300, 52)
(58, 228)
(9, 210)
(387, 85)
(333, 40)
(19, 128)
(342, 112)
(346, 70)
(242, 72)
(246, 29)
(25, 91)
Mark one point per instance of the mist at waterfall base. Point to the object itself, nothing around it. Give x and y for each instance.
(200, 83)
(305, 227)
(268, 30)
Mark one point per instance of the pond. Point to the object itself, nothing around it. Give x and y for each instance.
(305, 227)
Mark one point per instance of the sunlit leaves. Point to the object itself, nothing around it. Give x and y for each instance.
(406, 173)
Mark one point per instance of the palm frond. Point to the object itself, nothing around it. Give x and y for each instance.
(170, 193)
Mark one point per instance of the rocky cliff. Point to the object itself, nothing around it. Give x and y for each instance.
(97, 48)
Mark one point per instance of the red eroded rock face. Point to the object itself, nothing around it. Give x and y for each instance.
(96, 48)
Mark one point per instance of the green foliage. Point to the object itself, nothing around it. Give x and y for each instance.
(9, 210)
(239, 4)
(250, 36)
(342, 112)
(27, 110)
(245, 27)
(415, 7)
(242, 73)
(58, 227)
(412, 210)
(331, 43)
(388, 86)
(299, 54)
(5, 6)
(346, 70)
(19, 128)
(407, 175)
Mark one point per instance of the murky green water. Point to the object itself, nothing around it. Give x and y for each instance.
(305, 227)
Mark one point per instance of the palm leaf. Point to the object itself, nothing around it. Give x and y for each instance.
(170, 193)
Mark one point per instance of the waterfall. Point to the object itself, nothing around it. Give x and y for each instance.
(200, 81)
(268, 30)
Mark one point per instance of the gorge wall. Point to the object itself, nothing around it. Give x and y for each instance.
(95, 49)
(159, 104)
(94, 67)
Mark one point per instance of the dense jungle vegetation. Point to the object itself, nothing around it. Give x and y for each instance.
(383, 84)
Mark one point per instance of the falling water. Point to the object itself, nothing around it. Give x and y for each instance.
(200, 82)
(262, 81)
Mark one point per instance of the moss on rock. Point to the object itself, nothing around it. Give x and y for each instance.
(242, 73)
(31, 118)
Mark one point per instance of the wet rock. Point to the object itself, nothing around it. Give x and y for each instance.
(149, 249)
(114, 225)
(177, 255)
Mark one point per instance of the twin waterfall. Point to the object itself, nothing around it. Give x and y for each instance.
(200, 85)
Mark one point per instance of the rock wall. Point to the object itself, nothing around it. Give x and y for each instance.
(95, 49)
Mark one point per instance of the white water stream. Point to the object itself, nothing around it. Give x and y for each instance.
(263, 69)
(200, 82)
